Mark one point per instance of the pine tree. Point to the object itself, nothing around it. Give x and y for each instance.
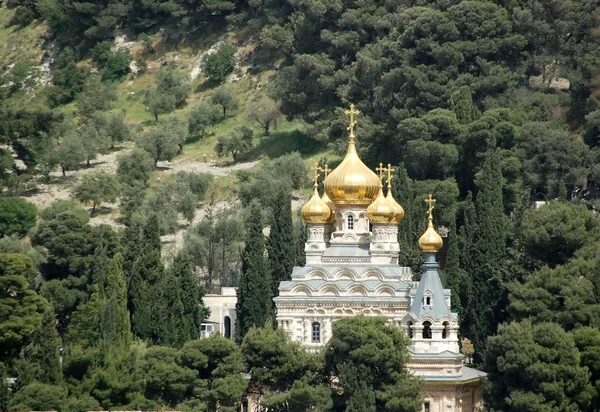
(4, 389)
(253, 295)
(281, 242)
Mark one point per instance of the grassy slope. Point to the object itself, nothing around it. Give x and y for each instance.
(17, 44)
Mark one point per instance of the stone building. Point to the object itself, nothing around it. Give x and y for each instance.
(352, 268)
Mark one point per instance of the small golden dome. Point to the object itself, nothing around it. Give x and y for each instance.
(316, 210)
(380, 210)
(352, 182)
(398, 210)
(430, 241)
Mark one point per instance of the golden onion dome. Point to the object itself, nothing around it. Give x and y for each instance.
(430, 241)
(352, 182)
(316, 210)
(380, 210)
(398, 210)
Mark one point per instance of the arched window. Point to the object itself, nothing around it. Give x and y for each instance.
(446, 330)
(426, 330)
(428, 300)
(316, 332)
(409, 329)
(350, 223)
(227, 327)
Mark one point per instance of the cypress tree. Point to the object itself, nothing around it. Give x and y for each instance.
(408, 229)
(300, 234)
(191, 296)
(146, 273)
(485, 252)
(281, 243)
(457, 280)
(43, 351)
(253, 294)
(170, 330)
(115, 323)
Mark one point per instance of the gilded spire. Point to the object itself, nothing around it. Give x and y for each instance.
(430, 241)
(398, 210)
(316, 210)
(326, 198)
(380, 210)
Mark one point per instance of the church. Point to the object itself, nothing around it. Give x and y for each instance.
(352, 268)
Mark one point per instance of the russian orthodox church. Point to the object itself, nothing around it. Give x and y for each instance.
(352, 268)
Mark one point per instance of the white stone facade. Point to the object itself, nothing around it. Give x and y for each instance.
(222, 313)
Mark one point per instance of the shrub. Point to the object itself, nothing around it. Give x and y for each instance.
(218, 65)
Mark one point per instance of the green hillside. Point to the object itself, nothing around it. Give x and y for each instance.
(150, 150)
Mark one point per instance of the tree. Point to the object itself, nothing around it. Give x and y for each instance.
(69, 153)
(182, 310)
(369, 357)
(253, 305)
(486, 254)
(236, 143)
(97, 188)
(201, 117)
(38, 397)
(159, 103)
(165, 379)
(161, 142)
(144, 270)
(22, 307)
(135, 168)
(117, 65)
(115, 323)
(112, 125)
(17, 216)
(534, 367)
(280, 370)
(219, 64)
(43, 352)
(223, 96)
(281, 243)
(92, 140)
(265, 112)
(173, 82)
(554, 232)
(96, 96)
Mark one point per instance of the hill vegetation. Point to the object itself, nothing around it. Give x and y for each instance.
(162, 117)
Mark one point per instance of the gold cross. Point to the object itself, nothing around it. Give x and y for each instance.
(381, 170)
(389, 171)
(352, 112)
(325, 170)
(316, 168)
(430, 200)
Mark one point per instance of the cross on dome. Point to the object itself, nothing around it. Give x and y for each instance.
(325, 170)
(353, 122)
(317, 169)
(381, 171)
(389, 171)
(430, 201)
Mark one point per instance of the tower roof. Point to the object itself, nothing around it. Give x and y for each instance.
(430, 286)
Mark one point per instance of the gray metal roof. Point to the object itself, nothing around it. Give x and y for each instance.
(430, 285)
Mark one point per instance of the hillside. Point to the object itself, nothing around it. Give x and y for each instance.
(150, 152)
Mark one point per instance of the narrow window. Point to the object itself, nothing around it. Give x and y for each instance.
(316, 332)
(426, 407)
(410, 329)
(446, 330)
(427, 330)
(428, 301)
(350, 224)
(227, 327)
